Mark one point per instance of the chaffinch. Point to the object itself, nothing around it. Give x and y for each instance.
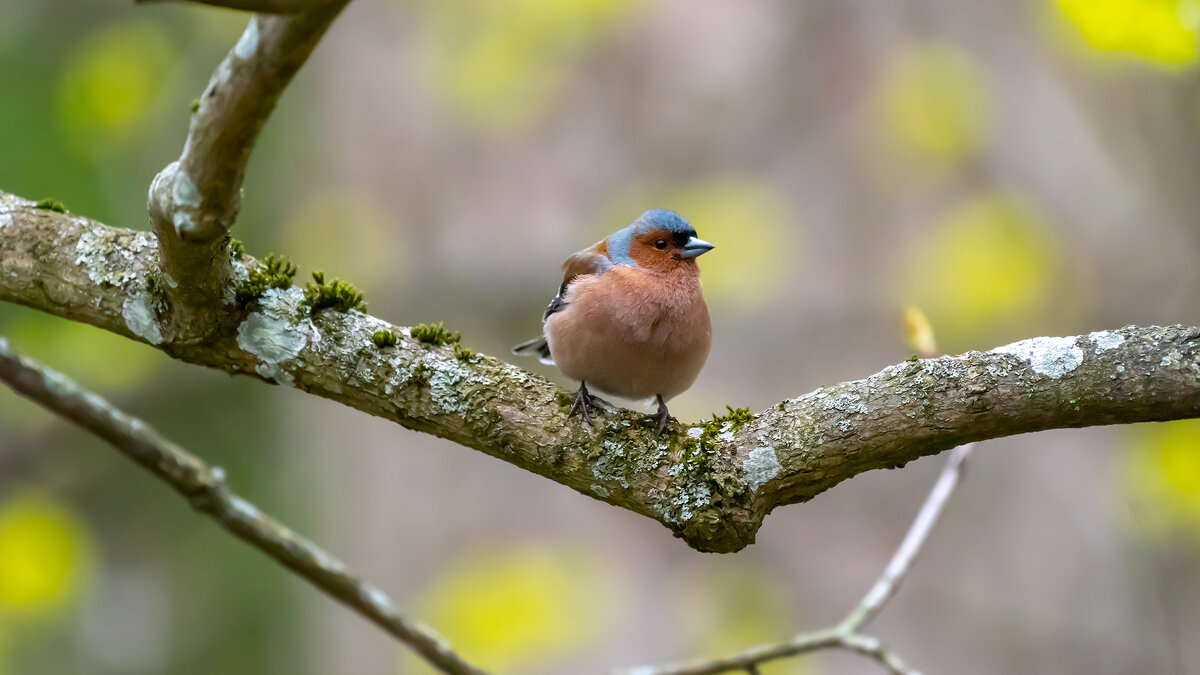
(629, 318)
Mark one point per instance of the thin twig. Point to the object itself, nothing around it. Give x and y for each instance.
(204, 487)
(846, 634)
(200, 194)
(885, 586)
(194, 200)
(264, 6)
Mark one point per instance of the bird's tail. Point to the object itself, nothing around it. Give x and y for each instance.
(538, 346)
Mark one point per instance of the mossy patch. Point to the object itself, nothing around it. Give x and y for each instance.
(435, 334)
(420, 373)
(272, 272)
(234, 246)
(195, 106)
(385, 338)
(464, 354)
(708, 476)
(620, 459)
(51, 205)
(337, 294)
(564, 400)
(736, 418)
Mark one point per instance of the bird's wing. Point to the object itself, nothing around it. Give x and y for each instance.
(591, 260)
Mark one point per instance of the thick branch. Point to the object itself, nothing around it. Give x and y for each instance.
(711, 489)
(195, 199)
(205, 489)
(264, 6)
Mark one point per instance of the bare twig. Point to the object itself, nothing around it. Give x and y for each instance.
(846, 634)
(264, 6)
(204, 487)
(885, 586)
(195, 199)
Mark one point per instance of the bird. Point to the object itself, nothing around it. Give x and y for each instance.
(629, 318)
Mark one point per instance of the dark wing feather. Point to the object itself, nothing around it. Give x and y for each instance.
(591, 260)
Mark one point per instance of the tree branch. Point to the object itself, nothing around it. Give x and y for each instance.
(195, 199)
(711, 485)
(885, 587)
(846, 634)
(205, 490)
(264, 6)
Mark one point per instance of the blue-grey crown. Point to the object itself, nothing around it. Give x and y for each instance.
(618, 242)
(663, 218)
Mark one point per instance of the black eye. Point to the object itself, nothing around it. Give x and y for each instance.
(660, 244)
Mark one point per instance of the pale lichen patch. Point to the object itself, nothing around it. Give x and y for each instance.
(1106, 340)
(1172, 359)
(846, 403)
(248, 43)
(244, 509)
(944, 368)
(183, 222)
(690, 496)
(183, 189)
(377, 599)
(997, 370)
(1049, 356)
(5, 220)
(140, 312)
(327, 562)
(446, 385)
(274, 335)
(238, 273)
(273, 342)
(760, 466)
(109, 260)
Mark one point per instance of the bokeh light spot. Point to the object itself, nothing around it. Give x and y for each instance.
(44, 554)
(1158, 32)
(500, 64)
(112, 78)
(730, 605)
(1162, 470)
(990, 263)
(513, 609)
(935, 104)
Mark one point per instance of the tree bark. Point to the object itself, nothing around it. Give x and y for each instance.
(710, 483)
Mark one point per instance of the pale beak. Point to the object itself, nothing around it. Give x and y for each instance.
(695, 248)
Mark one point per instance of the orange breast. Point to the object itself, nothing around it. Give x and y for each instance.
(632, 333)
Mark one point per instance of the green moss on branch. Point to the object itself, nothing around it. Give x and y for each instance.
(337, 295)
(435, 334)
(272, 272)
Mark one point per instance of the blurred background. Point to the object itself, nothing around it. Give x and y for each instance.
(1013, 168)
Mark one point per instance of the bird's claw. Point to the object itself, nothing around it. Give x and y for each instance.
(583, 401)
(663, 415)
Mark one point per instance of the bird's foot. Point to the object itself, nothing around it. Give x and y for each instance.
(583, 401)
(663, 415)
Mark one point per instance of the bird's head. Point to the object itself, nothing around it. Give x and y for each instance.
(659, 240)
